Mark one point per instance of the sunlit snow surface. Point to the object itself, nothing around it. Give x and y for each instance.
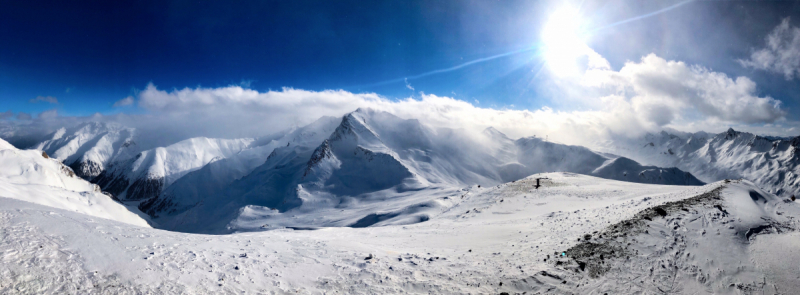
(479, 239)
(29, 175)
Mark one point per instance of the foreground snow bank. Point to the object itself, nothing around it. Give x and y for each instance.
(30, 175)
(503, 238)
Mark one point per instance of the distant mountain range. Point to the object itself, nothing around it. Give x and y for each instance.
(370, 159)
(218, 185)
(772, 163)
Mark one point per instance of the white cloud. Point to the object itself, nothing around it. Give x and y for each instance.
(6, 115)
(641, 97)
(124, 102)
(234, 111)
(408, 85)
(781, 54)
(49, 99)
(660, 92)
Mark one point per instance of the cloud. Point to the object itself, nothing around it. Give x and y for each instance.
(644, 96)
(246, 83)
(124, 102)
(23, 116)
(6, 115)
(234, 112)
(49, 99)
(781, 54)
(49, 114)
(660, 92)
(408, 85)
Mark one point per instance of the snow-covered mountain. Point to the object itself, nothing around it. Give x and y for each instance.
(147, 173)
(364, 161)
(771, 163)
(89, 148)
(371, 178)
(32, 176)
(357, 164)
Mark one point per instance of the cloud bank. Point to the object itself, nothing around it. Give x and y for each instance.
(781, 54)
(661, 92)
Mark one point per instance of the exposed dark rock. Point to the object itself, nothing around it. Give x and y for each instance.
(322, 152)
(145, 188)
(731, 134)
(86, 170)
(114, 184)
(156, 205)
(589, 256)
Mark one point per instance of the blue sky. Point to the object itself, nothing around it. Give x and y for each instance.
(92, 54)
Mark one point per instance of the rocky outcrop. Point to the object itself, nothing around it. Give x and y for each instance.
(86, 169)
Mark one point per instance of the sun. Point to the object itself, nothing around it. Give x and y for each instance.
(563, 44)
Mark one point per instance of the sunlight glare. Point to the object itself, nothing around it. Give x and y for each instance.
(562, 41)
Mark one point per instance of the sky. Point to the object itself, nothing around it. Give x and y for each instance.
(579, 70)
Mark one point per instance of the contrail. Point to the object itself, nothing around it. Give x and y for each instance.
(642, 16)
(480, 60)
(453, 68)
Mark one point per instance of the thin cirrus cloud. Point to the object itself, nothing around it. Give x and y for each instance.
(781, 53)
(48, 99)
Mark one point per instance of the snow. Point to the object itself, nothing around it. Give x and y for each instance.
(478, 239)
(371, 203)
(776, 255)
(27, 175)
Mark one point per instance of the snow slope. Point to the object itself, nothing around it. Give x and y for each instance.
(642, 239)
(365, 162)
(771, 163)
(30, 175)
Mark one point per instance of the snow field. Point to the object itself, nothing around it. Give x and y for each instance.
(493, 235)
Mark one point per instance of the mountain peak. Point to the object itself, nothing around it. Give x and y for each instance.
(322, 152)
(730, 134)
